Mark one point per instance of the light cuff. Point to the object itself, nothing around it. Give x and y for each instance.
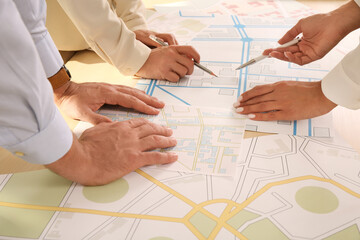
(48, 145)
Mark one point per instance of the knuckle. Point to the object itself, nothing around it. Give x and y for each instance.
(132, 100)
(263, 106)
(257, 88)
(157, 155)
(156, 139)
(132, 154)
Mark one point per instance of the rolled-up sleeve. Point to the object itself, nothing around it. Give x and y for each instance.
(31, 126)
(107, 34)
(342, 84)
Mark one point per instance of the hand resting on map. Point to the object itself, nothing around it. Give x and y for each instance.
(285, 100)
(81, 101)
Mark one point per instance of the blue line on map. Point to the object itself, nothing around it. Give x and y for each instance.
(149, 88)
(241, 26)
(153, 87)
(211, 16)
(310, 132)
(173, 95)
(295, 127)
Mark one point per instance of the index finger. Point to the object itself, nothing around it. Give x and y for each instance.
(291, 34)
(130, 101)
(256, 91)
(188, 51)
(169, 38)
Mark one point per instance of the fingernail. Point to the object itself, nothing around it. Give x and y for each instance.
(236, 104)
(161, 102)
(173, 156)
(240, 98)
(239, 110)
(286, 54)
(251, 116)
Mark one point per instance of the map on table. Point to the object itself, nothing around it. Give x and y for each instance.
(225, 42)
(286, 187)
(208, 139)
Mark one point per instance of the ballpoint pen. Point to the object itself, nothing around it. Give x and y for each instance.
(162, 43)
(259, 58)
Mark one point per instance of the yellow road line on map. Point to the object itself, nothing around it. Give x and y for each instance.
(218, 227)
(194, 230)
(221, 221)
(166, 188)
(89, 211)
(297, 179)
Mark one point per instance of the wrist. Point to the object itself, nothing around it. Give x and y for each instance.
(71, 165)
(348, 16)
(60, 78)
(60, 92)
(326, 103)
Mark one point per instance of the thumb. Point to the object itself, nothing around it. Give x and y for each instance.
(266, 52)
(291, 34)
(95, 118)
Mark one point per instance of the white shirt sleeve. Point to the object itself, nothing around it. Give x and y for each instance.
(342, 84)
(33, 14)
(107, 34)
(30, 124)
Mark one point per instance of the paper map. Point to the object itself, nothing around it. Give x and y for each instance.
(208, 139)
(226, 43)
(278, 187)
(286, 187)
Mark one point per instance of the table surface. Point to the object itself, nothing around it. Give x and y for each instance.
(12, 164)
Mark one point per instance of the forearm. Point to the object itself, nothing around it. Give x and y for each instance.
(106, 34)
(347, 17)
(75, 166)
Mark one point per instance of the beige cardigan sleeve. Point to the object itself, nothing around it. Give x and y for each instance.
(342, 84)
(131, 12)
(107, 34)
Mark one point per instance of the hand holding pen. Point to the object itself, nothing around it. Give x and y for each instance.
(162, 43)
(266, 55)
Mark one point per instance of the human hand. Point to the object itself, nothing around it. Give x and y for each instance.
(144, 37)
(81, 101)
(321, 32)
(286, 100)
(109, 151)
(169, 63)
